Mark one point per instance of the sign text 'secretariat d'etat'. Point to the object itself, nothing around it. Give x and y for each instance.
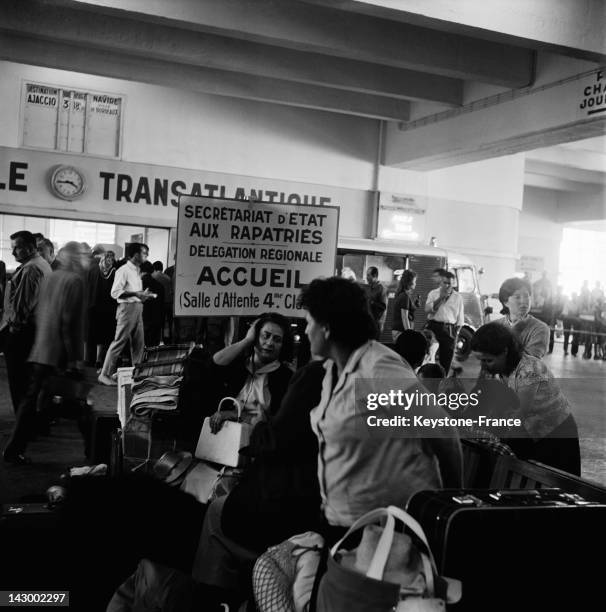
(243, 258)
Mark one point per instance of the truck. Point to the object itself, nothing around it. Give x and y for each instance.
(391, 258)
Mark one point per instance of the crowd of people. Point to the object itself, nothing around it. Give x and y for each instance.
(59, 307)
(312, 463)
(582, 316)
(315, 466)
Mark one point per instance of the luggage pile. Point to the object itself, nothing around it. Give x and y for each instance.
(153, 426)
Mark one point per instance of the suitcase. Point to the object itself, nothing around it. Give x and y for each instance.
(103, 426)
(31, 547)
(146, 438)
(516, 549)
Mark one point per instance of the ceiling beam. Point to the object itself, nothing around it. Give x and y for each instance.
(572, 27)
(557, 183)
(564, 172)
(500, 125)
(195, 48)
(204, 80)
(316, 29)
(577, 158)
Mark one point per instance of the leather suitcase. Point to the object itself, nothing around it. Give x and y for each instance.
(102, 428)
(31, 547)
(516, 549)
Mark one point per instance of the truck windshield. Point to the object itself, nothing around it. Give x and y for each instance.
(466, 281)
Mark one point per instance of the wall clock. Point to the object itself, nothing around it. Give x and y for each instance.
(67, 182)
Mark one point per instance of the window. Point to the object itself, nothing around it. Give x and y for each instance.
(465, 280)
(355, 265)
(63, 119)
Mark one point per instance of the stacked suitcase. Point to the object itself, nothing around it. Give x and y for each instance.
(154, 425)
(516, 549)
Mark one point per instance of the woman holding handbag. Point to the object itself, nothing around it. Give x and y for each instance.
(277, 497)
(254, 370)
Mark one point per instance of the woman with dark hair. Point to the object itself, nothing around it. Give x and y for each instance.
(404, 306)
(543, 408)
(532, 334)
(255, 371)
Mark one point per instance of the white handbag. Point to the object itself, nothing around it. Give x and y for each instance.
(224, 446)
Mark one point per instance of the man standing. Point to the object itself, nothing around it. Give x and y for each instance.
(541, 293)
(59, 341)
(128, 291)
(46, 250)
(153, 310)
(18, 327)
(167, 284)
(445, 316)
(436, 276)
(376, 295)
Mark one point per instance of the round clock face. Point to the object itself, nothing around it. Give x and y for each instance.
(67, 182)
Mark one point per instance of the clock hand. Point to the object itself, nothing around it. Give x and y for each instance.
(69, 183)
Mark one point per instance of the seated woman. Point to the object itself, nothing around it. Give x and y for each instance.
(543, 408)
(359, 472)
(277, 497)
(532, 334)
(254, 371)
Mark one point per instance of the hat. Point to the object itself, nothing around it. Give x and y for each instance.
(172, 465)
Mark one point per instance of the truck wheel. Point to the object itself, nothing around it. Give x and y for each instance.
(463, 346)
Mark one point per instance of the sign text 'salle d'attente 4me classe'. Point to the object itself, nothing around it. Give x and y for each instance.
(243, 258)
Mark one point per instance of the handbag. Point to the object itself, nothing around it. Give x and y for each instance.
(206, 483)
(283, 576)
(224, 446)
(399, 574)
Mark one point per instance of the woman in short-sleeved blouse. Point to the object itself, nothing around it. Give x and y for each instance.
(543, 408)
(532, 334)
(404, 306)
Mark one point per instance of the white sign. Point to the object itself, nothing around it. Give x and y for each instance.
(69, 120)
(401, 217)
(530, 263)
(245, 258)
(593, 94)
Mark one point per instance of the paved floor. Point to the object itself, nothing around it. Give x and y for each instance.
(583, 381)
(52, 455)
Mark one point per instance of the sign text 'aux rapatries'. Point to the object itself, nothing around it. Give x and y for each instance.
(244, 258)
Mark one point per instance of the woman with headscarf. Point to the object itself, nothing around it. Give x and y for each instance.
(404, 306)
(533, 335)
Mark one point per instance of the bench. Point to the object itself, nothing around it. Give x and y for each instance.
(512, 473)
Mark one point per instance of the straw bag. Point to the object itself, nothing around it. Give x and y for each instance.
(388, 571)
(224, 446)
